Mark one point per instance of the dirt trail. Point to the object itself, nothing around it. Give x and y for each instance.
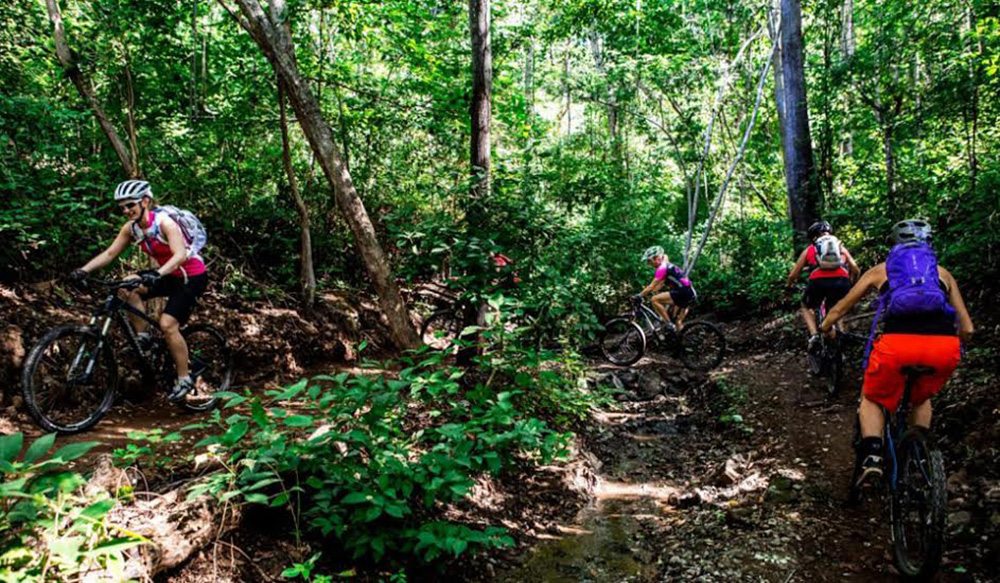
(737, 477)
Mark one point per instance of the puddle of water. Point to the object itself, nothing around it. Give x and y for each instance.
(603, 547)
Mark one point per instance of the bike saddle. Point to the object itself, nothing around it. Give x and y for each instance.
(917, 370)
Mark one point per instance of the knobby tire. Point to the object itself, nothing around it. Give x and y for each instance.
(622, 333)
(211, 365)
(441, 329)
(58, 403)
(702, 346)
(917, 545)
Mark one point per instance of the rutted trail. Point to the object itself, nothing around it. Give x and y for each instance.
(736, 477)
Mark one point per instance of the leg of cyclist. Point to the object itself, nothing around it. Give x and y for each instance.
(135, 300)
(660, 303)
(171, 329)
(181, 299)
(679, 320)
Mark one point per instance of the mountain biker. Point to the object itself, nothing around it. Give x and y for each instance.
(829, 281)
(180, 278)
(928, 336)
(680, 292)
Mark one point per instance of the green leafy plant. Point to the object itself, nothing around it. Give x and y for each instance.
(367, 459)
(49, 529)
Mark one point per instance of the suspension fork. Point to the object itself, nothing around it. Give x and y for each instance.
(97, 349)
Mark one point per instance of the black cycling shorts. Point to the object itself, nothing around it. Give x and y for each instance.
(825, 289)
(181, 296)
(682, 296)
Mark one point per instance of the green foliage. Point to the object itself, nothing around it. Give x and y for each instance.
(366, 458)
(50, 530)
(133, 452)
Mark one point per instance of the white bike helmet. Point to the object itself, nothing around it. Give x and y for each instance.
(133, 190)
(652, 252)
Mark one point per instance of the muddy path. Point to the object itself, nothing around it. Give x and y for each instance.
(739, 476)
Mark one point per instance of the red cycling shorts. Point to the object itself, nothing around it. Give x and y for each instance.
(884, 382)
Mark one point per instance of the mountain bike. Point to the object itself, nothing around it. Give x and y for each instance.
(699, 345)
(915, 483)
(827, 360)
(70, 377)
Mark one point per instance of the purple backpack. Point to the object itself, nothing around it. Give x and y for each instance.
(914, 286)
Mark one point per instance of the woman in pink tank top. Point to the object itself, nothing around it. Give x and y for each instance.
(181, 277)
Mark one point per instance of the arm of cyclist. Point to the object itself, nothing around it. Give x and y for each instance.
(793, 275)
(104, 258)
(870, 280)
(965, 327)
(852, 266)
(653, 287)
(178, 246)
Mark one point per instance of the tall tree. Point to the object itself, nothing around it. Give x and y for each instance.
(307, 274)
(800, 173)
(480, 107)
(276, 44)
(82, 85)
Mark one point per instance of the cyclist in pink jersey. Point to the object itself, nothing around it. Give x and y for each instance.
(181, 277)
(826, 285)
(680, 292)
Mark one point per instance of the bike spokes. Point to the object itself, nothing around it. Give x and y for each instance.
(210, 366)
(702, 346)
(918, 510)
(622, 342)
(69, 379)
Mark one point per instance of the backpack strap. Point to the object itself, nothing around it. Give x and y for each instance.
(871, 333)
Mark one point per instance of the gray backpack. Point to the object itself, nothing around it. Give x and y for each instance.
(195, 236)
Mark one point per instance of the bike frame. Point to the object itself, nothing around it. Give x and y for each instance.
(113, 311)
(895, 426)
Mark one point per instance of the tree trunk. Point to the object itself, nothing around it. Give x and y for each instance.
(799, 170)
(83, 87)
(276, 44)
(609, 100)
(848, 44)
(480, 109)
(890, 162)
(307, 275)
(773, 26)
(133, 139)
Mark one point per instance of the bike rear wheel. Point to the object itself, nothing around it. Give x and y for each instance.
(441, 329)
(622, 342)
(702, 346)
(834, 366)
(918, 510)
(211, 365)
(68, 382)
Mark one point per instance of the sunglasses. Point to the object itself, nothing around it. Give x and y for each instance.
(127, 206)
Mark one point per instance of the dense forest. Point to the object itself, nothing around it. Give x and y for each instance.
(357, 165)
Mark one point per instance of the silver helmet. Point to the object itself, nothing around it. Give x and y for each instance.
(133, 190)
(652, 252)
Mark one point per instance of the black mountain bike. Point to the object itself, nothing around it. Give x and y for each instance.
(827, 360)
(624, 340)
(915, 483)
(70, 377)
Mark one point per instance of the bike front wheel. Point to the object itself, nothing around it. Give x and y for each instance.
(622, 342)
(211, 365)
(702, 346)
(442, 329)
(918, 510)
(69, 380)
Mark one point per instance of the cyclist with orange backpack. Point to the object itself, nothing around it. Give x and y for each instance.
(173, 238)
(923, 318)
(831, 269)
